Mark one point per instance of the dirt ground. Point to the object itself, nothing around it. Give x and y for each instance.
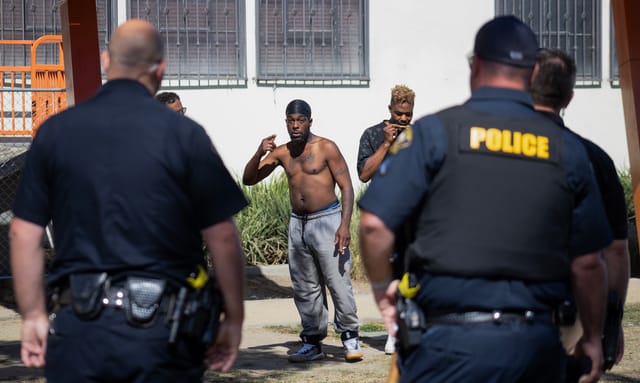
(264, 349)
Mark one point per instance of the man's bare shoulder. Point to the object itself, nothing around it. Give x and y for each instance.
(281, 147)
(324, 143)
(281, 152)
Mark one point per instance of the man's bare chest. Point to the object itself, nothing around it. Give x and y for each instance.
(307, 163)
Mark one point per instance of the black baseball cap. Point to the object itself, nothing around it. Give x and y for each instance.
(507, 40)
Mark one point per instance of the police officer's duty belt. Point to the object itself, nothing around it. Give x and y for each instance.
(141, 298)
(497, 316)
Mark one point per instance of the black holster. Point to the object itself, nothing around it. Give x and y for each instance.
(411, 323)
(565, 313)
(196, 314)
(87, 291)
(615, 310)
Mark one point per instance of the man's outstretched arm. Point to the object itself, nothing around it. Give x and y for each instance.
(256, 169)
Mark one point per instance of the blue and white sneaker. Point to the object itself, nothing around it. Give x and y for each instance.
(307, 353)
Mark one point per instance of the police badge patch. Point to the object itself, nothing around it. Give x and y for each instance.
(403, 141)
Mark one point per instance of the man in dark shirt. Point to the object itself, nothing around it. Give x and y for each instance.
(552, 91)
(376, 140)
(374, 146)
(131, 188)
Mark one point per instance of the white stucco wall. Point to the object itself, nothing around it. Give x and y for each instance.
(422, 44)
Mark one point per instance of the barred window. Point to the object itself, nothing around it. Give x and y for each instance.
(570, 25)
(204, 40)
(30, 20)
(614, 70)
(312, 42)
(22, 20)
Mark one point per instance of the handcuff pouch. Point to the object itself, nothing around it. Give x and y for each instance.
(87, 290)
(143, 299)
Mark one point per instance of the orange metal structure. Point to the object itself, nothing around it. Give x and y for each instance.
(30, 94)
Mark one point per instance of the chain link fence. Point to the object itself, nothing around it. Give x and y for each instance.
(12, 155)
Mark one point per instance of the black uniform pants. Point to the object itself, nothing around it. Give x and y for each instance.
(108, 349)
(522, 352)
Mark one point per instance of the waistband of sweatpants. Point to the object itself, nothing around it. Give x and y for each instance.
(332, 208)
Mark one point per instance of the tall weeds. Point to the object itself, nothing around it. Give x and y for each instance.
(634, 251)
(264, 224)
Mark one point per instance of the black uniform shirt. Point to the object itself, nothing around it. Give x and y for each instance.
(128, 183)
(404, 179)
(611, 189)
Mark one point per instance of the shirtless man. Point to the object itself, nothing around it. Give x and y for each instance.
(318, 230)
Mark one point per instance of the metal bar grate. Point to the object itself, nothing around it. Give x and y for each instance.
(570, 25)
(307, 43)
(204, 40)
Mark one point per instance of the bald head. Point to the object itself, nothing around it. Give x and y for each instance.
(136, 53)
(136, 43)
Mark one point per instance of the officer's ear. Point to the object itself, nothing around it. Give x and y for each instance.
(106, 60)
(534, 74)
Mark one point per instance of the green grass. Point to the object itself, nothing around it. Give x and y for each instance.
(377, 326)
(625, 180)
(285, 329)
(631, 314)
(263, 225)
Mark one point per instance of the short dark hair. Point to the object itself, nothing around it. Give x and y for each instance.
(298, 107)
(167, 97)
(553, 85)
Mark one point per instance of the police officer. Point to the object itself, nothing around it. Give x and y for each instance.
(509, 218)
(552, 91)
(131, 187)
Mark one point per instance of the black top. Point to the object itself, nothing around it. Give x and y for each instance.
(128, 183)
(372, 138)
(611, 189)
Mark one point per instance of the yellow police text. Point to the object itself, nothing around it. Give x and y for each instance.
(507, 141)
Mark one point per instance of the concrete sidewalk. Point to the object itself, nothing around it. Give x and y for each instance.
(283, 311)
(270, 312)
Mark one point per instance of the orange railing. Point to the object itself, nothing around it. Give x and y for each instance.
(30, 94)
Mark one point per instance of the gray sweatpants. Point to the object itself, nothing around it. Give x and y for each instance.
(315, 263)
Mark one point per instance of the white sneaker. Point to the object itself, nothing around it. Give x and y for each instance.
(390, 346)
(352, 351)
(306, 353)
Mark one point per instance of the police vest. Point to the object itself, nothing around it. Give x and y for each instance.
(500, 205)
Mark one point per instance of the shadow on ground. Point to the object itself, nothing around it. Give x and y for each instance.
(268, 363)
(6, 294)
(260, 286)
(11, 368)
